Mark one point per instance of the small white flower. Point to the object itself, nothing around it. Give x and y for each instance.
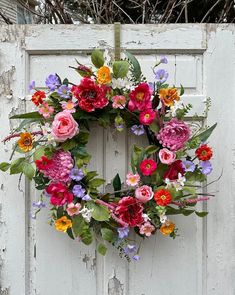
(120, 83)
(163, 218)
(86, 214)
(177, 105)
(146, 217)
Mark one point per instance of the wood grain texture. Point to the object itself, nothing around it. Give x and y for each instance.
(37, 260)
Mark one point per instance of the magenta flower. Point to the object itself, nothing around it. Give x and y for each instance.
(174, 134)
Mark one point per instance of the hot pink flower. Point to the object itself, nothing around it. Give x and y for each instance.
(166, 156)
(73, 209)
(58, 168)
(59, 193)
(119, 101)
(144, 193)
(147, 117)
(140, 98)
(64, 126)
(46, 110)
(146, 229)
(148, 166)
(132, 179)
(174, 134)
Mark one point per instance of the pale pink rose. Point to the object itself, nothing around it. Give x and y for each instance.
(146, 229)
(73, 209)
(64, 126)
(166, 156)
(144, 193)
(119, 101)
(132, 179)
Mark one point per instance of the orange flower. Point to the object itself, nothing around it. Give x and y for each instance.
(168, 96)
(167, 228)
(63, 223)
(103, 75)
(25, 142)
(204, 152)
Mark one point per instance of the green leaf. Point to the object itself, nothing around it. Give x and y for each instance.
(69, 144)
(201, 214)
(17, 166)
(65, 82)
(70, 233)
(100, 213)
(39, 152)
(151, 149)
(32, 115)
(117, 185)
(206, 134)
(96, 182)
(97, 58)
(135, 69)
(102, 249)
(120, 69)
(90, 175)
(78, 225)
(181, 90)
(82, 137)
(4, 166)
(29, 170)
(86, 236)
(154, 127)
(108, 235)
(26, 122)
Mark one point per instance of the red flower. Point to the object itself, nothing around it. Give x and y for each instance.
(38, 97)
(162, 197)
(204, 152)
(43, 163)
(174, 169)
(90, 96)
(148, 166)
(140, 98)
(147, 117)
(129, 210)
(60, 194)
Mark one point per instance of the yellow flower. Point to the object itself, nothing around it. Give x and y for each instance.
(167, 228)
(25, 142)
(168, 96)
(104, 75)
(63, 223)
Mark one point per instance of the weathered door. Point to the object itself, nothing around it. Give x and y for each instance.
(34, 258)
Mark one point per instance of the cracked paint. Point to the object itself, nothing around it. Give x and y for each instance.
(6, 78)
(115, 287)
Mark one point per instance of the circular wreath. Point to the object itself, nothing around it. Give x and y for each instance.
(165, 174)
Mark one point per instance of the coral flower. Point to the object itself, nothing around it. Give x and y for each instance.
(38, 97)
(45, 110)
(103, 75)
(204, 152)
(73, 209)
(63, 224)
(162, 197)
(168, 96)
(140, 98)
(59, 193)
(132, 179)
(25, 142)
(146, 229)
(167, 228)
(147, 117)
(148, 166)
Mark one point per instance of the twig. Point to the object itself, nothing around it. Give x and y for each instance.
(18, 135)
(209, 11)
(123, 11)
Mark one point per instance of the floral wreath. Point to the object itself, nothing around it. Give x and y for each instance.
(164, 175)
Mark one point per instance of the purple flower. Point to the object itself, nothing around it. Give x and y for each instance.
(123, 232)
(119, 127)
(78, 191)
(136, 257)
(32, 86)
(151, 86)
(161, 75)
(52, 81)
(39, 205)
(130, 249)
(188, 165)
(64, 91)
(206, 167)
(163, 60)
(86, 198)
(137, 129)
(76, 174)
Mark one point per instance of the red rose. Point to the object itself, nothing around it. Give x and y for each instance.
(90, 95)
(59, 193)
(174, 169)
(129, 210)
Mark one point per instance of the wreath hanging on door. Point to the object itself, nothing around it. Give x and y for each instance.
(164, 176)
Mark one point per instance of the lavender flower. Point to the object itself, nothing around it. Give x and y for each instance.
(136, 257)
(86, 198)
(39, 205)
(130, 249)
(163, 60)
(161, 75)
(76, 174)
(78, 191)
(119, 127)
(188, 165)
(32, 86)
(151, 86)
(123, 232)
(64, 91)
(52, 81)
(206, 167)
(32, 215)
(137, 129)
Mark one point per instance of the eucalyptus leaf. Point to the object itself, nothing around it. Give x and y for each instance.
(4, 166)
(108, 234)
(97, 58)
(120, 69)
(28, 170)
(99, 213)
(102, 249)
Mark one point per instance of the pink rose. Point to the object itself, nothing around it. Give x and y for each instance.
(166, 156)
(144, 193)
(64, 126)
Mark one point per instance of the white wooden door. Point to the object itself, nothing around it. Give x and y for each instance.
(34, 258)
